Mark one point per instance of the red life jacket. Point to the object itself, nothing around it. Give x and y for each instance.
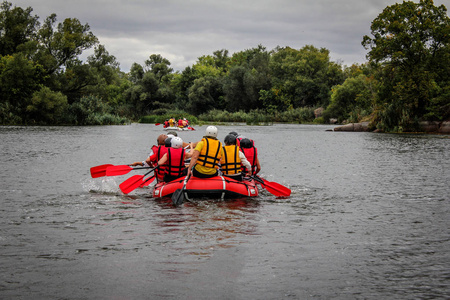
(251, 154)
(161, 169)
(175, 161)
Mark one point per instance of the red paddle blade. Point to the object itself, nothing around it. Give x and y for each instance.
(277, 192)
(276, 189)
(118, 170)
(99, 171)
(131, 184)
(148, 181)
(157, 124)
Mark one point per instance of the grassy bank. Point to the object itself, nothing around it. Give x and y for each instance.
(255, 117)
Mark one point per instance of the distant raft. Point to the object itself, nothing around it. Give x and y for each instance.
(170, 128)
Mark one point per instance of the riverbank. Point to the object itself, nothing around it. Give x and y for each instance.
(426, 127)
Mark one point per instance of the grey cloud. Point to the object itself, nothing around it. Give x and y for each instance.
(182, 30)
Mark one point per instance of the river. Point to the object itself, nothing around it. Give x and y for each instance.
(368, 218)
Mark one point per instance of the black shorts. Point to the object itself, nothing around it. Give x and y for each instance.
(237, 177)
(201, 175)
(168, 177)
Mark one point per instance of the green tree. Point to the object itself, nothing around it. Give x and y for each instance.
(136, 73)
(107, 81)
(17, 27)
(19, 79)
(352, 100)
(180, 84)
(206, 94)
(151, 89)
(63, 42)
(47, 107)
(411, 42)
(248, 74)
(159, 66)
(57, 48)
(304, 76)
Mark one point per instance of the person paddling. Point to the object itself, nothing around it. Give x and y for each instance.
(157, 153)
(206, 155)
(173, 160)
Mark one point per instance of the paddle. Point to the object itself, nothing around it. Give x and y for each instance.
(133, 182)
(121, 170)
(148, 181)
(157, 124)
(178, 195)
(274, 188)
(99, 171)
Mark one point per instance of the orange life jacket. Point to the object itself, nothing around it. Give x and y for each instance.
(209, 155)
(230, 162)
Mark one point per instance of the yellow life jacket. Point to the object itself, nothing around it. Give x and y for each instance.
(230, 162)
(209, 155)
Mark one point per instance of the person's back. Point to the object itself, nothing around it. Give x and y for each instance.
(173, 160)
(251, 153)
(233, 159)
(206, 157)
(230, 162)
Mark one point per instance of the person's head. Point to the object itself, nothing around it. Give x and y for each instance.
(211, 131)
(230, 140)
(234, 133)
(161, 138)
(172, 133)
(176, 142)
(246, 143)
(168, 142)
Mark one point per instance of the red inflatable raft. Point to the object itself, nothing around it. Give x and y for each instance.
(215, 187)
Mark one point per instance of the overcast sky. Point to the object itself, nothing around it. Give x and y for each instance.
(183, 30)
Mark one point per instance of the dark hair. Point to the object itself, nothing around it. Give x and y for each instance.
(230, 140)
(168, 142)
(246, 143)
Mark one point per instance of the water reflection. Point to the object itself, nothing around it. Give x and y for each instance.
(201, 227)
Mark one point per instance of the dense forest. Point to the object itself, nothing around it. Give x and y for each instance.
(406, 79)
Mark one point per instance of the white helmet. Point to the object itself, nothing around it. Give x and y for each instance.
(170, 135)
(211, 131)
(177, 142)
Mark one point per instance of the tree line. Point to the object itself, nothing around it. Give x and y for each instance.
(43, 81)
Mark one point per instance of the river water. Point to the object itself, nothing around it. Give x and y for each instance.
(368, 218)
